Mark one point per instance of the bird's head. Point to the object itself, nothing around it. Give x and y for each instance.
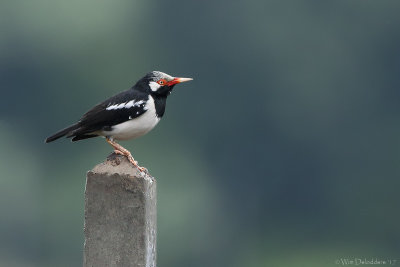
(159, 83)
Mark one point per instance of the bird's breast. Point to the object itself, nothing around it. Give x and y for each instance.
(135, 127)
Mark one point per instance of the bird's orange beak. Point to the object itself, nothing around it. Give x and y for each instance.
(178, 80)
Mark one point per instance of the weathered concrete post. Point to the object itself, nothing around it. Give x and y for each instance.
(120, 216)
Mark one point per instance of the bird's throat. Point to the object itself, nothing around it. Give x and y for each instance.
(160, 103)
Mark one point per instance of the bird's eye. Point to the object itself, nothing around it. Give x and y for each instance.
(162, 82)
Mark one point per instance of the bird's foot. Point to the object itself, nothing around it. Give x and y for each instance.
(119, 150)
(130, 158)
(135, 163)
(143, 169)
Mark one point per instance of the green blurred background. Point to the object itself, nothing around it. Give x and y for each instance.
(283, 151)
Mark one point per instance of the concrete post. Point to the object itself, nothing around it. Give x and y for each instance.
(120, 216)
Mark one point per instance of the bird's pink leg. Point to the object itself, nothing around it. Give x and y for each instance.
(118, 149)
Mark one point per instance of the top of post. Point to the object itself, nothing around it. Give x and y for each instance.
(121, 165)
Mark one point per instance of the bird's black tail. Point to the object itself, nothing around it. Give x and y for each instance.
(61, 133)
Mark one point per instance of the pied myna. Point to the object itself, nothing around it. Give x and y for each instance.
(127, 115)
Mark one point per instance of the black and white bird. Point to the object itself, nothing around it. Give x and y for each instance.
(127, 115)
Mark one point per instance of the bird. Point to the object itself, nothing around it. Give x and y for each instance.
(126, 115)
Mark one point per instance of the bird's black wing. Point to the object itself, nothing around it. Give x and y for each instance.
(122, 107)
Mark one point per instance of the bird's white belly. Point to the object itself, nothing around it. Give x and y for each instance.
(135, 127)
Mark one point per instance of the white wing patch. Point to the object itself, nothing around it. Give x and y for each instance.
(129, 104)
(137, 126)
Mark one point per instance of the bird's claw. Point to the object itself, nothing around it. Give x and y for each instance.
(135, 163)
(143, 169)
(131, 160)
(118, 152)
